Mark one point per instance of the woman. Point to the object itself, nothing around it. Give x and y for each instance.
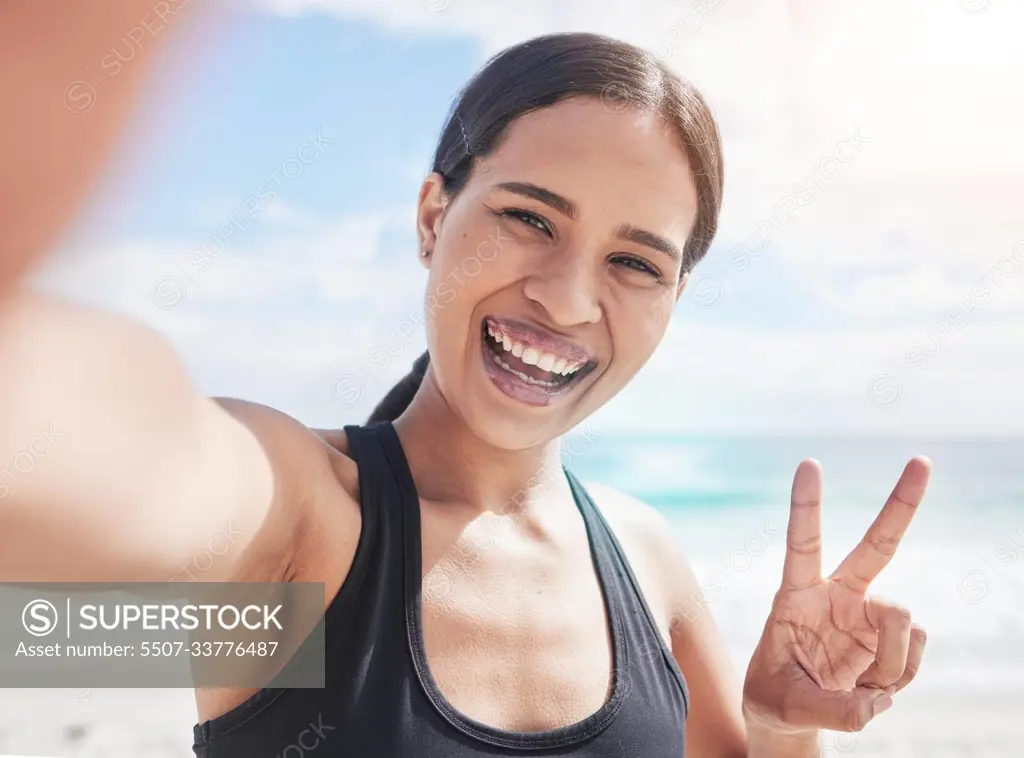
(480, 601)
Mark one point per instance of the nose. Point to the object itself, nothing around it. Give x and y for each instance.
(566, 286)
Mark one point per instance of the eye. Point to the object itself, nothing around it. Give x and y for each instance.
(528, 218)
(637, 264)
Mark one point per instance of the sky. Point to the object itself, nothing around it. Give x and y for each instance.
(867, 277)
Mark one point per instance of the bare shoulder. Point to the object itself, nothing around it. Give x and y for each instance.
(336, 438)
(635, 521)
(308, 450)
(316, 490)
(651, 548)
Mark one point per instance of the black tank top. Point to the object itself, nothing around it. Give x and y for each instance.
(380, 699)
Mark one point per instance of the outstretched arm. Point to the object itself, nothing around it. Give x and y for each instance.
(113, 467)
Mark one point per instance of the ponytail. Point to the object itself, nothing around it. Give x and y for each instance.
(398, 399)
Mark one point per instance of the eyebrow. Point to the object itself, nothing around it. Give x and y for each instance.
(649, 239)
(565, 206)
(527, 189)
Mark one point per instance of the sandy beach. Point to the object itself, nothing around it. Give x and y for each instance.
(956, 576)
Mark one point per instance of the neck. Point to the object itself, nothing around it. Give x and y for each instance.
(452, 465)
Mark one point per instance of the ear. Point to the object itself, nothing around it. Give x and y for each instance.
(683, 281)
(429, 211)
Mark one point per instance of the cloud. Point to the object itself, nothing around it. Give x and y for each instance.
(928, 84)
(301, 322)
(338, 261)
(892, 239)
(277, 319)
(720, 380)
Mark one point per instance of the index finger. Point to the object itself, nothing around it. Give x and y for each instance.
(877, 547)
(802, 567)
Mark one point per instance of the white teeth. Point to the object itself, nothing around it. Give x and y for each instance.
(521, 375)
(532, 356)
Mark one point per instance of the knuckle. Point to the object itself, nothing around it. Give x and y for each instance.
(905, 503)
(807, 503)
(901, 615)
(806, 547)
(884, 544)
(854, 582)
(857, 719)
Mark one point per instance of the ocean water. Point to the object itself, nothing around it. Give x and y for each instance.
(959, 569)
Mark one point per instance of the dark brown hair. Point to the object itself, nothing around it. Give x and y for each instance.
(543, 71)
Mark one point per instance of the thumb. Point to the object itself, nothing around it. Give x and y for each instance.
(810, 706)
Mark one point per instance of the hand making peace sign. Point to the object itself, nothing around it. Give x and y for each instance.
(831, 655)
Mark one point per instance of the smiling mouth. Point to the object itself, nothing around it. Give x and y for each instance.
(526, 370)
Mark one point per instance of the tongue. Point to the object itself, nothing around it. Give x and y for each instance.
(533, 372)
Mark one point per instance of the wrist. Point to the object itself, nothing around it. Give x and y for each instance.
(766, 742)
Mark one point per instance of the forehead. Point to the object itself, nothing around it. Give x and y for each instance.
(618, 165)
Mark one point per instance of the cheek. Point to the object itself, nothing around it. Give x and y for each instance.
(478, 265)
(640, 328)
(462, 276)
(657, 313)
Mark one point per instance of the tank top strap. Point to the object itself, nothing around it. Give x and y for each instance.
(379, 697)
(382, 488)
(561, 737)
(376, 482)
(381, 545)
(641, 628)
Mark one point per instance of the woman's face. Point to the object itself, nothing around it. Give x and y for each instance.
(553, 274)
